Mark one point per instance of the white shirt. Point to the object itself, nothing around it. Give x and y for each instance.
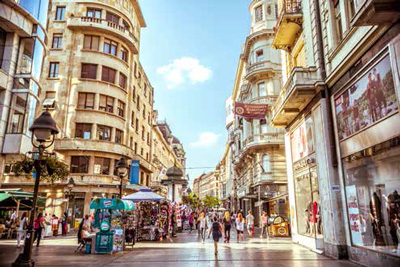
(22, 223)
(239, 224)
(203, 223)
(13, 216)
(250, 219)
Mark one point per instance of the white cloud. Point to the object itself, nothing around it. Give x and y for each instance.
(183, 69)
(206, 139)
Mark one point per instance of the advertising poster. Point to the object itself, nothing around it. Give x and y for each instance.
(354, 215)
(302, 140)
(250, 111)
(134, 175)
(367, 100)
(118, 241)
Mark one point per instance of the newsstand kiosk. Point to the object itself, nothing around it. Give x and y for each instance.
(108, 218)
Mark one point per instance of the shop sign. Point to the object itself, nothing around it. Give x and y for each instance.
(104, 226)
(250, 111)
(369, 99)
(354, 215)
(302, 141)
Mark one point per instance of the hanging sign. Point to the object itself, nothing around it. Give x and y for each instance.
(251, 111)
(134, 178)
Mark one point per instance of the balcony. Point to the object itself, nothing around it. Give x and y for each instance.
(257, 140)
(92, 145)
(298, 91)
(262, 68)
(375, 12)
(268, 100)
(104, 26)
(288, 25)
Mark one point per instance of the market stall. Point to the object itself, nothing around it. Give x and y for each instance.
(109, 219)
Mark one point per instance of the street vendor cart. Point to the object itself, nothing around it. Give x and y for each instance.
(108, 218)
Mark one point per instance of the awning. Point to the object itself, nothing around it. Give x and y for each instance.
(9, 199)
(4, 196)
(112, 204)
(143, 195)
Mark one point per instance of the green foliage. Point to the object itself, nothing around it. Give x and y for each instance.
(52, 169)
(191, 200)
(210, 202)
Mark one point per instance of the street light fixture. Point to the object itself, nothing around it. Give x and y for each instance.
(122, 169)
(44, 129)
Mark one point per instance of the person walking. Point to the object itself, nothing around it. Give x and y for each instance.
(227, 222)
(264, 225)
(22, 229)
(190, 222)
(239, 226)
(216, 233)
(203, 226)
(209, 223)
(250, 223)
(64, 223)
(54, 225)
(38, 225)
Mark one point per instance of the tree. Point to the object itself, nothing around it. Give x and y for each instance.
(210, 201)
(192, 200)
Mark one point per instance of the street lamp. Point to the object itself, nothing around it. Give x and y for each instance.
(71, 185)
(44, 130)
(122, 169)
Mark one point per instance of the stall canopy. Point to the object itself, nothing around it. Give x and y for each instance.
(112, 204)
(143, 195)
(18, 199)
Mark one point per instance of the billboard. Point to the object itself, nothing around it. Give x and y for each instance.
(134, 175)
(250, 111)
(367, 100)
(301, 139)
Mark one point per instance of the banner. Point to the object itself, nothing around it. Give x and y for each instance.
(250, 111)
(162, 173)
(134, 179)
(354, 215)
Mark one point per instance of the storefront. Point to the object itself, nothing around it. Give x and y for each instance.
(367, 131)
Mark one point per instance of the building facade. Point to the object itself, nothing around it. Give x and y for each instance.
(256, 157)
(23, 47)
(208, 185)
(339, 95)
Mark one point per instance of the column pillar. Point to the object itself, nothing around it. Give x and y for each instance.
(88, 199)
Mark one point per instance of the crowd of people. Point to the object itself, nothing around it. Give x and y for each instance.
(214, 223)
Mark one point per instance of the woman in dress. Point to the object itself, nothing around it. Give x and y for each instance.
(216, 233)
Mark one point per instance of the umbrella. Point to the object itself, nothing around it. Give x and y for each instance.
(143, 195)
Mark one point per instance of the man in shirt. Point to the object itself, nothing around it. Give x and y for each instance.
(250, 223)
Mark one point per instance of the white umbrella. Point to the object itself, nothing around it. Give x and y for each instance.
(143, 195)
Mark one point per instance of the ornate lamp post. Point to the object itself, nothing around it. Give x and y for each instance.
(71, 185)
(122, 169)
(43, 129)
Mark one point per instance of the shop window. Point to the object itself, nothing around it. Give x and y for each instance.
(261, 89)
(60, 13)
(103, 133)
(53, 69)
(79, 164)
(57, 41)
(372, 187)
(17, 113)
(258, 13)
(259, 55)
(93, 13)
(89, 71)
(122, 80)
(108, 74)
(83, 130)
(106, 103)
(91, 42)
(111, 17)
(85, 100)
(118, 136)
(123, 54)
(110, 47)
(102, 165)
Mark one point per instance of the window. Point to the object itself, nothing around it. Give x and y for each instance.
(144, 111)
(122, 80)
(89, 71)
(123, 54)
(125, 25)
(57, 41)
(121, 108)
(133, 118)
(143, 133)
(131, 142)
(258, 14)
(259, 55)
(86, 100)
(138, 102)
(103, 133)
(110, 47)
(83, 130)
(264, 126)
(17, 113)
(60, 13)
(111, 17)
(266, 163)
(351, 9)
(93, 13)
(145, 89)
(79, 164)
(140, 79)
(135, 148)
(135, 69)
(149, 117)
(118, 136)
(137, 125)
(106, 103)
(91, 42)
(148, 138)
(141, 151)
(3, 37)
(108, 74)
(50, 100)
(101, 165)
(338, 24)
(53, 70)
(134, 93)
(261, 89)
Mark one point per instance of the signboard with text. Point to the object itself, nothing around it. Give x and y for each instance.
(134, 176)
(250, 111)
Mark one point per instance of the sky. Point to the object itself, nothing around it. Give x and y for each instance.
(190, 51)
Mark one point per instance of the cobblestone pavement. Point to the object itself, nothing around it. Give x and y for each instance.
(185, 250)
